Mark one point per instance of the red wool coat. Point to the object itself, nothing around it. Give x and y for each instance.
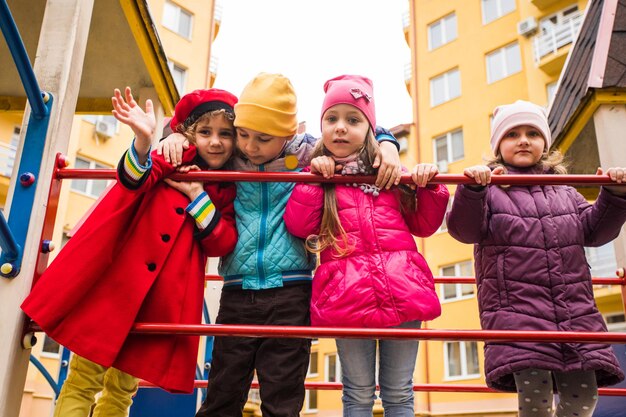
(138, 258)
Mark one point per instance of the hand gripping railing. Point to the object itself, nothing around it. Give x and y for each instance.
(326, 332)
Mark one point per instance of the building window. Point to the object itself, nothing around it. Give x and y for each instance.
(176, 19)
(503, 63)
(333, 368)
(310, 401)
(461, 360)
(444, 225)
(552, 23)
(313, 367)
(442, 31)
(615, 322)
(445, 87)
(15, 137)
(448, 148)
(453, 292)
(50, 347)
(494, 9)
(551, 90)
(8, 152)
(179, 74)
(92, 188)
(601, 260)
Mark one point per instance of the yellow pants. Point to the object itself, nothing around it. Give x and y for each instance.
(86, 379)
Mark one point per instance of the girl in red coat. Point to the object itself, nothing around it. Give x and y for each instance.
(140, 257)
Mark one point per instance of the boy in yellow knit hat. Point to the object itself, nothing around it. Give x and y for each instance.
(267, 278)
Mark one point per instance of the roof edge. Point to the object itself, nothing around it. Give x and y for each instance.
(142, 27)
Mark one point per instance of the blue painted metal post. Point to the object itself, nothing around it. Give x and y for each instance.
(14, 236)
(10, 249)
(22, 62)
(64, 366)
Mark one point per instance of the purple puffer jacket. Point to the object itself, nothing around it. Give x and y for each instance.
(532, 273)
(384, 281)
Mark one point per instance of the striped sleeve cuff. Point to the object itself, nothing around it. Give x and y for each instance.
(133, 170)
(202, 210)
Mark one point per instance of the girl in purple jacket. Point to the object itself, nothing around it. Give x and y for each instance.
(531, 269)
(370, 273)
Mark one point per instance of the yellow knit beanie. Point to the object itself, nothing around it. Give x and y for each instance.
(268, 105)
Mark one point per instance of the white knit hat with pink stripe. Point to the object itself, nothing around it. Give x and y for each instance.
(520, 113)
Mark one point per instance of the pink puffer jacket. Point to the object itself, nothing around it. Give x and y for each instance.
(384, 281)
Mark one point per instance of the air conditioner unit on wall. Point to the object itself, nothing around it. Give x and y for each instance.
(105, 128)
(527, 27)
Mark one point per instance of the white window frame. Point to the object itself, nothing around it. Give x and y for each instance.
(501, 54)
(445, 38)
(446, 76)
(89, 188)
(327, 368)
(463, 349)
(175, 69)
(458, 287)
(443, 228)
(448, 137)
(551, 90)
(307, 404)
(309, 374)
(499, 11)
(178, 10)
(601, 259)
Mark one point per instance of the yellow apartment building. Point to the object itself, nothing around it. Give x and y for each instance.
(467, 58)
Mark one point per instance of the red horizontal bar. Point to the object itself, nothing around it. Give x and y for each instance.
(394, 333)
(308, 177)
(330, 386)
(311, 332)
(472, 280)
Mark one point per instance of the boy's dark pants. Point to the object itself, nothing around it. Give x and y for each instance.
(281, 364)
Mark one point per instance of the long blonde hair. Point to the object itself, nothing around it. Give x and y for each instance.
(332, 234)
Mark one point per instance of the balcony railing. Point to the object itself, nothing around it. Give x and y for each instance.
(557, 36)
(7, 159)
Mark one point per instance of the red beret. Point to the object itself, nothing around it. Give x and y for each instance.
(198, 102)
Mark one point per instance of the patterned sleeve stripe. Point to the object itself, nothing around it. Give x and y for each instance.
(132, 168)
(202, 210)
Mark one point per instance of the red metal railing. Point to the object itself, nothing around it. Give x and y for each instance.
(472, 280)
(315, 332)
(475, 388)
(233, 176)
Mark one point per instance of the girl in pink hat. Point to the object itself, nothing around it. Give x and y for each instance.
(370, 273)
(531, 269)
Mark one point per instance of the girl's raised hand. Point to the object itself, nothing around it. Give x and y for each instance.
(422, 173)
(482, 174)
(324, 166)
(618, 175)
(172, 148)
(127, 111)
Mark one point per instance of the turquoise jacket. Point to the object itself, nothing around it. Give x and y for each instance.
(266, 255)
